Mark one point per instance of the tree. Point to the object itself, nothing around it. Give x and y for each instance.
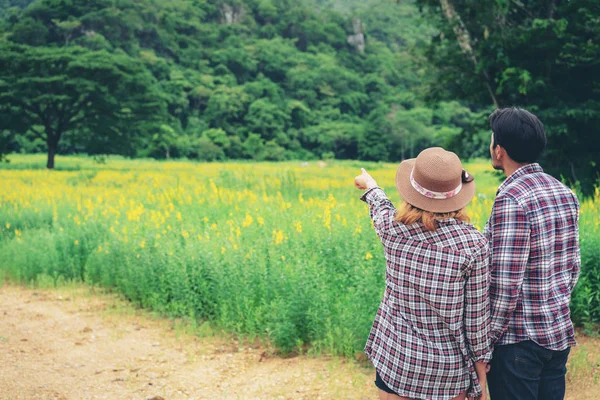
(281, 69)
(266, 118)
(104, 99)
(542, 55)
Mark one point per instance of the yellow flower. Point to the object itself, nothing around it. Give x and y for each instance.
(327, 218)
(137, 256)
(278, 236)
(223, 250)
(260, 220)
(143, 244)
(185, 234)
(368, 256)
(247, 221)
(282, 258)
(331, 200)
(213, 226)
(7, 225)
(298, 226)
(76, 242)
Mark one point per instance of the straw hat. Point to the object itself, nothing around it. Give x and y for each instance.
(435, 181)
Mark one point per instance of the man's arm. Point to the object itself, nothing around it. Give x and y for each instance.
(576, 269)
(509, 237)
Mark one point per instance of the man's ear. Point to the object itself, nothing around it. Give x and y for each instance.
(500, 153)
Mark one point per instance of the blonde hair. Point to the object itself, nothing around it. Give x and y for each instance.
(408, 214)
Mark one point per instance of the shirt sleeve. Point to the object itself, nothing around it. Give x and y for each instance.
(509, 233)
(576, 269)
(381, 210)
(477, 307)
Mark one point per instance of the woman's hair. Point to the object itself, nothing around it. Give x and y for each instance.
(408, 214)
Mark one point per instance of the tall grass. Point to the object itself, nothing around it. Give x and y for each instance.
(278, 251)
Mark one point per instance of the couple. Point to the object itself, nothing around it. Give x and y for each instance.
(456, 299)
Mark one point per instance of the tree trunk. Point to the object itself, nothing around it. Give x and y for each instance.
(464, 41)
(551, 8)
(51, 153)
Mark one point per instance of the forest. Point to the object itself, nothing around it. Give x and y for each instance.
(278, 80)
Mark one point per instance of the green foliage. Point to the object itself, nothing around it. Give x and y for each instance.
(254, 146)
(586, 297)
(541, 55)
(5, 139)
(105, 100)
(294, 72)
(284, 252)
(283, 70)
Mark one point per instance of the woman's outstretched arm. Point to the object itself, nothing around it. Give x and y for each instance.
(381, 209)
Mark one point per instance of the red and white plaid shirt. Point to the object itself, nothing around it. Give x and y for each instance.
(433, 321)
(534, 241)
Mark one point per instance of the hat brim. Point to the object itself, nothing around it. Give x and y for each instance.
(416, 199)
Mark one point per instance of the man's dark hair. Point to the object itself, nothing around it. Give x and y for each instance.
(519, 132)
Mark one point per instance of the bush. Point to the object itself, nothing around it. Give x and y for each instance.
(585, 304)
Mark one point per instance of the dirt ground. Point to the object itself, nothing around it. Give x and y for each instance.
(74, 343)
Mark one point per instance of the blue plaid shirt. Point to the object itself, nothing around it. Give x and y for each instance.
(535, 260)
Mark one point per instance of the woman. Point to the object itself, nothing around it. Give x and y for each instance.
(430, 335)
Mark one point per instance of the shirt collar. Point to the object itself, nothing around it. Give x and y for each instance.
(524, 170)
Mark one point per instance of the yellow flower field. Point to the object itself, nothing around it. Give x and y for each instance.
(281, 251)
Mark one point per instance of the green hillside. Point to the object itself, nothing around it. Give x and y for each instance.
(284, 79)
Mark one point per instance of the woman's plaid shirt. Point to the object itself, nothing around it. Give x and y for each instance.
(433, 321)
(534, 240)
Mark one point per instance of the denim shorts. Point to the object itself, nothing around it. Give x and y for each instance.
(381, 384)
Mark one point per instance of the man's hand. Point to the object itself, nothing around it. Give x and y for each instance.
(364, 181)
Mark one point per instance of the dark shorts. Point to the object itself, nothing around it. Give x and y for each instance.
(381, 384)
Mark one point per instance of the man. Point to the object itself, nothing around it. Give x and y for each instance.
(534, 241)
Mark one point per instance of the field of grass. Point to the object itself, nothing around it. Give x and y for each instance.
(283, 252)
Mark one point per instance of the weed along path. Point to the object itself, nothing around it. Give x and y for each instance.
(72, 343)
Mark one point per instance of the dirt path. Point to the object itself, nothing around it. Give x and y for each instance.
(72, 344)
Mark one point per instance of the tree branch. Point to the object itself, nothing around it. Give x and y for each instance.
(522, 8)
(464, 41)
(37, 133)
(551, 9)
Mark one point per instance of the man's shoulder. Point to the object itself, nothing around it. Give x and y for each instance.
(538, 189)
